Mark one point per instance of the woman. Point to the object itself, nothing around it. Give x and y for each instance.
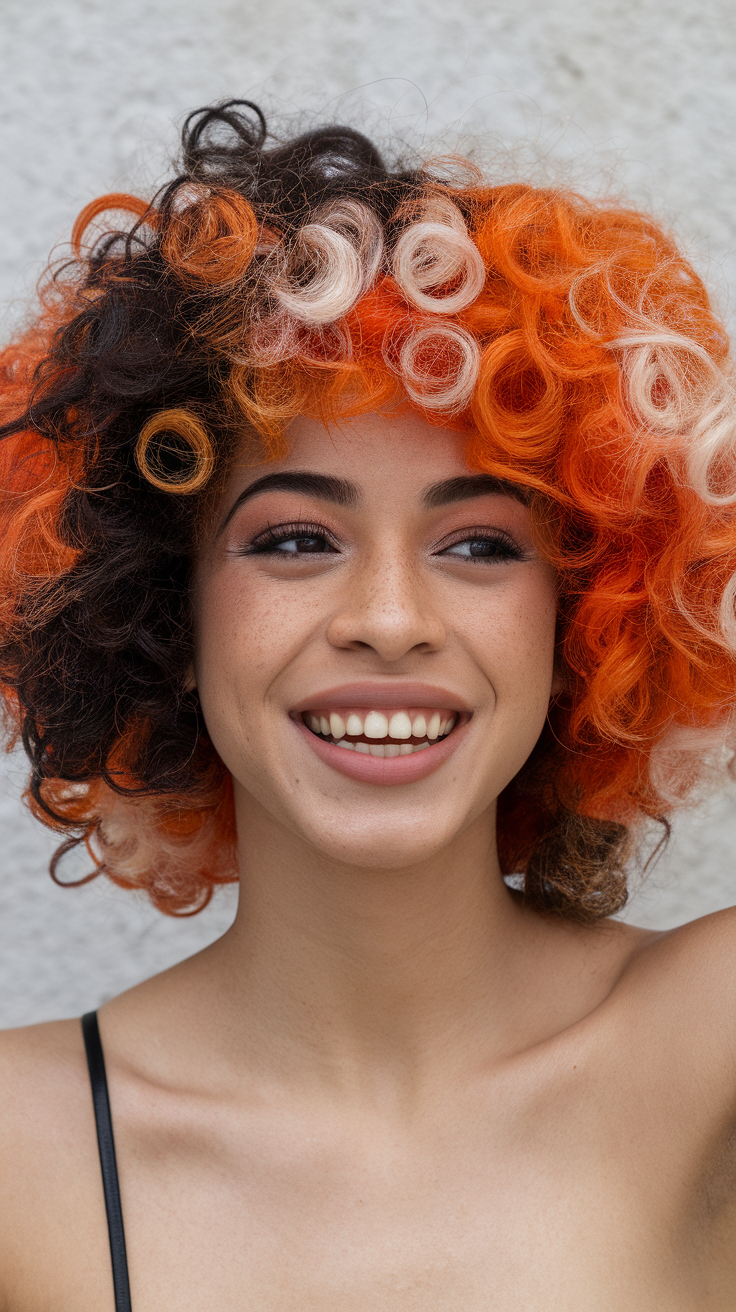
(369, 537)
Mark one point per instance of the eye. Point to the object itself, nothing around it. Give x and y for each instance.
(304, 545)
(292, 540)
(484, 545)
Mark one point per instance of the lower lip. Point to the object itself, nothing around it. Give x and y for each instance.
(384, 769)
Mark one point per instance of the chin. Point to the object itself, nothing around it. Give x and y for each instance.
(383, 845)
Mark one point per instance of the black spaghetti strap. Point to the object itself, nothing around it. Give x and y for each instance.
(108, 1164)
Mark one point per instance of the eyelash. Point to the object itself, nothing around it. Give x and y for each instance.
(265, 543)
(268, 542)
(507, 547)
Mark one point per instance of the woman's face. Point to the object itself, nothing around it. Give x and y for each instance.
(375, 638)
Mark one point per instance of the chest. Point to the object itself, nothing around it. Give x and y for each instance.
(565, 1193)
(533, 1204)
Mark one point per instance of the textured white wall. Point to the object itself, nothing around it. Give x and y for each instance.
(636, 97)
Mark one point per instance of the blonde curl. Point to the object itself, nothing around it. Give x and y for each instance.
(332, 262)
(450, 388)
(435, 251)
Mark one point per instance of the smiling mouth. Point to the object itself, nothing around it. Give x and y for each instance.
(402, 733)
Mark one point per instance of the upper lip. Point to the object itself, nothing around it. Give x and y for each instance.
(373, 696)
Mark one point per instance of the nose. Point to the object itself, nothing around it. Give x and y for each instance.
(387, 608)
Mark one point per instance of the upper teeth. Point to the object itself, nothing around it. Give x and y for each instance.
(374, 724)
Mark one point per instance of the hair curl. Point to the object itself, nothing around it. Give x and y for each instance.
(570, 341)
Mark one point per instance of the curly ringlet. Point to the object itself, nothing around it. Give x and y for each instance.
(436, 251)
(342, 252)
(439, 365)
(111, 202)
(604, 387)
(183, 425)
(209, 235)
(358, 222)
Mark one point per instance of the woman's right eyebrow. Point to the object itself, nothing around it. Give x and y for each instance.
(324, 486)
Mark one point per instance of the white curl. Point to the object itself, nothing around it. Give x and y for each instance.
(359, 224)
(660, 369)
(332, 262)
(456, 351)
(437, 250)
(727, 614)
(689, 761)
(188, 195)
(440, 209)
(130, 842)
(713, 439)
(678, 391)
(675, 388)
(272, 340)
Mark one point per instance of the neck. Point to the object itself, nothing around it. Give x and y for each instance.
(360, 971)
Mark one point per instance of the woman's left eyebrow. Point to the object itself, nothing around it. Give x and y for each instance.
(323, 486)
(466, 486)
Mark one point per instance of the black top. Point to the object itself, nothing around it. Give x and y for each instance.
(108, 1164)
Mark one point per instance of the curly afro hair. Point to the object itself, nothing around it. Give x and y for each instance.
(569, 341)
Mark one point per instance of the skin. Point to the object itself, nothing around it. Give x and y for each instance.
(388, 1086)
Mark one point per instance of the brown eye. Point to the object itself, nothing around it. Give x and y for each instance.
(291, 540)
(498, 547)
(305, 545)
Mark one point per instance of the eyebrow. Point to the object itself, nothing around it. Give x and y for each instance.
(343, 493)
(472, 485)
(327, 488)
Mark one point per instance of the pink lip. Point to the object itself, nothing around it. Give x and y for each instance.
(376, 695)
(383, 769)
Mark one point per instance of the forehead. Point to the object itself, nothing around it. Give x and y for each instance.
(391, 453)
(376, 446)
(380, 461)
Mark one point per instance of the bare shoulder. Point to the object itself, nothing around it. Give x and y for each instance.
(694, 957)
(683, 982)
(41, 1066)
(47, 1153)
(43, 1099)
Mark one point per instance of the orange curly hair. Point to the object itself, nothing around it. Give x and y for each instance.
(570, 341)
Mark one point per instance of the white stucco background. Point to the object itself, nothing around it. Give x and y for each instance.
(632, 97)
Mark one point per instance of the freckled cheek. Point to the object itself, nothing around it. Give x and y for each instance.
(246, 633)
(532, 646)
(513, 637)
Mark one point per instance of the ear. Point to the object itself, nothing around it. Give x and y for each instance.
(190, 680)
(558, 683)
